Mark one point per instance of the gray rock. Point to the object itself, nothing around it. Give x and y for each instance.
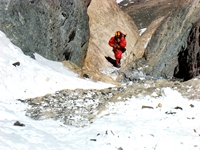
(189, 57)
(143, 12)
(17, 123)
(161, 55)
(56, 29)
(71, 107)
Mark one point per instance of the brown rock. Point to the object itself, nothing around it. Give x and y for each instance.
(105, 17)
(159, 105)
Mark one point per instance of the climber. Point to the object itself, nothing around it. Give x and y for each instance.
(118, 42)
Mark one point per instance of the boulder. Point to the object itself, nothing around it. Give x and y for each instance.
(143, 41)
(56, 29)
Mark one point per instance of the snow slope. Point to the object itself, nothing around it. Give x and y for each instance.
(43, 76)
(123, 125)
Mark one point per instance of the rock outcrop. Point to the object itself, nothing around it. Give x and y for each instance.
(56, 29)
(105, 17)
(170, 37)
(189, 57)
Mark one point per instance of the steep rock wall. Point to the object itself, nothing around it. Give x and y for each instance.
(56, 29)
(162, 51)
(189, 57)
(170, 37)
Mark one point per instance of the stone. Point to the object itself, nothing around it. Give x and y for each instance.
(159, 105)
(17, 123)
(149, 107)
(16, 64)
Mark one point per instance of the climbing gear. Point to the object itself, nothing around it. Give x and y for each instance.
(117, 34)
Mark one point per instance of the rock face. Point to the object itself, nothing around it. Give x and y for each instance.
(56, 29)
(105, 18)
(189, 57)
(61, 30)
(143, 41)
(143, 12)
(170, 37)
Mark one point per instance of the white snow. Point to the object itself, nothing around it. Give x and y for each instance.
(147, 42)
(141, 31)
(122, 125)
(118, 1)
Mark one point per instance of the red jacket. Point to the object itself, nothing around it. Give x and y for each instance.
(122, 44)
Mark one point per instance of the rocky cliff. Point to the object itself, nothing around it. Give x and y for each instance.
(79, 31)
(189, 57)
(170, 37)
(56, 29)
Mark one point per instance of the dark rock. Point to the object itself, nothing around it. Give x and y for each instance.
(190, 118)
(170, 113)
(147, 107)
(191, 105)
(93, 139)
(177, 107)
(85, 76)
(16, 64)
(17, 123)
(189, 58)
(56, 29)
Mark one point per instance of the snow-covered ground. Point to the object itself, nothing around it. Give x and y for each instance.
(122, 126)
